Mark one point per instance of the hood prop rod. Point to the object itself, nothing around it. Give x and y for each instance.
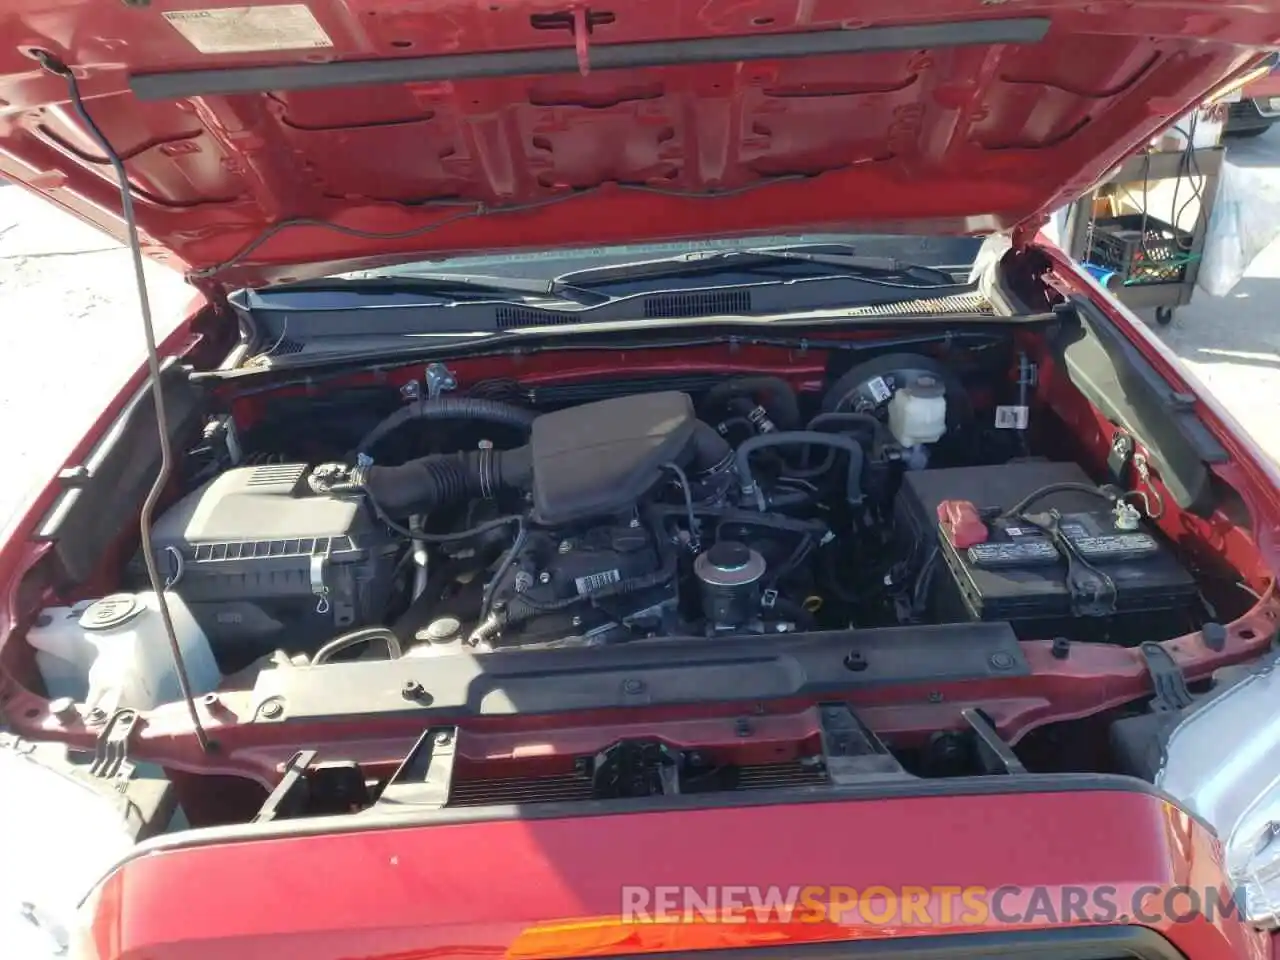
(59, 69)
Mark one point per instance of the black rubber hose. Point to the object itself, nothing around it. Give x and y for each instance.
(851, 420)
(428, 483)
(825, 422)
(792, 498)
(780, 400)
(709, 450)
(451, 408)
(746, 479)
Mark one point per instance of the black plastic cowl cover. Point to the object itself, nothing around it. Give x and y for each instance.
(600, 458)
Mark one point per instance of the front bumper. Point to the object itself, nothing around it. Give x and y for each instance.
(521, 885)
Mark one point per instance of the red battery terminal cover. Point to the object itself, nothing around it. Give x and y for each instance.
(961, 523)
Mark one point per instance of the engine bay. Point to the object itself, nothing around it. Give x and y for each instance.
(891, 495)
(924, 548)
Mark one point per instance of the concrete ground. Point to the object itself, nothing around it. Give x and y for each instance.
(1232, 343)
(69, 334)
(69, 330)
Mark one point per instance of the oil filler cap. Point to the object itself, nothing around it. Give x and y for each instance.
(440, 630)
(109, 612)
(729, 556)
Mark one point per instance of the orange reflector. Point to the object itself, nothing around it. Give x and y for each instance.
(612, 936)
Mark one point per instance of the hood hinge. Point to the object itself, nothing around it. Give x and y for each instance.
(1024, 234)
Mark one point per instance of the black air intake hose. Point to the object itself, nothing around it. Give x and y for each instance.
(780, 400)
(428, 483)
(451, 408)
(707, 450)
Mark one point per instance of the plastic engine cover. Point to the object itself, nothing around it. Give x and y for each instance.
(600, 458)
(262, 562)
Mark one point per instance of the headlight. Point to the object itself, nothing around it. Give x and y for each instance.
(1222, 762)
(59, 837)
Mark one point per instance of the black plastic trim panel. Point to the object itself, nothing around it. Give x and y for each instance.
(675, 671)
(1114, 376)
(102, 495)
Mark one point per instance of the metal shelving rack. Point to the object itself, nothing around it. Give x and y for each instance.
(1164, 297)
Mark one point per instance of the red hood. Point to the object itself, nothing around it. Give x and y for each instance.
(421, 127)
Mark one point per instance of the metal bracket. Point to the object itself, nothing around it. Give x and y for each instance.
(1120, 456)
(425, 778)
(439, 379)
(994, 754)
(851, 751)
(1024, 234)
(1167, 679)
(311, 789)
(284, 797)
(635, 768)
(320, 589)
(1143, 468)
(111, 751)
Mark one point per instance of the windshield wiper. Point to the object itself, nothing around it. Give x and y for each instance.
(883, 271)
(470, 286)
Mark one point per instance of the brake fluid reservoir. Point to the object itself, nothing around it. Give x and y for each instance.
(918, 412)
(114, 653)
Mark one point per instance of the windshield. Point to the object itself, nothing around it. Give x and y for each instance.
(946, 252)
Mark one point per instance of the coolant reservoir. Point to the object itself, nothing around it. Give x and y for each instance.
(918, 412)
(113, 652)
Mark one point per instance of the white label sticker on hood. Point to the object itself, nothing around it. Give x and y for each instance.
(289, 26)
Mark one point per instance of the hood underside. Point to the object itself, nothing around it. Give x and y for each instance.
(287, 140)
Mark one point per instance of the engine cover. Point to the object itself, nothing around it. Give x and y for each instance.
(601, 458)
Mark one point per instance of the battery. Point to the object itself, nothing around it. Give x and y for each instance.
(1019, 573)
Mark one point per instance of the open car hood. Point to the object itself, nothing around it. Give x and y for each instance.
(283, 140)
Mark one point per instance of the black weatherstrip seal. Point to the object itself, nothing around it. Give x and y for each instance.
(1073, 943)
(617, 56)
(1070, 943)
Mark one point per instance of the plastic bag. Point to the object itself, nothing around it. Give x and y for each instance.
(1246, 218)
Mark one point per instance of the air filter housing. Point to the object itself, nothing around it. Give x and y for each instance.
(264, 563)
